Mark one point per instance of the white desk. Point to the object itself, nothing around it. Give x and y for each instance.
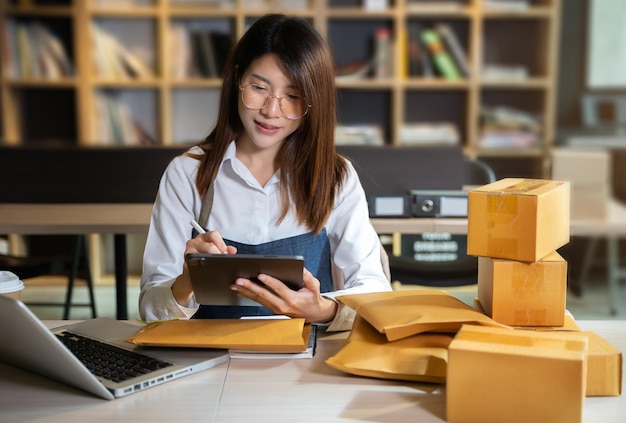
(274, 391)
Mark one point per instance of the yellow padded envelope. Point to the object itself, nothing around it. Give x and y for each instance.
(276, 335)
(399, 314)
(419, 358)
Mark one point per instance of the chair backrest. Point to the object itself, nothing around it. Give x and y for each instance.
(396, 170)
(476, 172)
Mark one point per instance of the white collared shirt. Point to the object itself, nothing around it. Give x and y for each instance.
(246, 212)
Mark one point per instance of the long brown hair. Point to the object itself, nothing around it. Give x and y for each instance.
(311, 170)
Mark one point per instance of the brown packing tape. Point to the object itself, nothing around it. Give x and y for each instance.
(419, 358)
(278, 335)
(400, 314)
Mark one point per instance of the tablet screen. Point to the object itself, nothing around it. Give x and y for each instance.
(212, 274)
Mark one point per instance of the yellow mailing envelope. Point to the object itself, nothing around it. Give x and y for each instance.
(280, 335)
(399, 314)
(419, 358)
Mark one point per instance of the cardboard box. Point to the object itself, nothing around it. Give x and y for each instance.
(604, 361)
(517, 293)
(518, 219)
(604, 367)
(569, 323)
(503, 375)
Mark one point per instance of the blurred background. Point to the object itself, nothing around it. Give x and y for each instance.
(532, 88)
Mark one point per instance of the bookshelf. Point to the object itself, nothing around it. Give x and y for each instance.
(156, 100)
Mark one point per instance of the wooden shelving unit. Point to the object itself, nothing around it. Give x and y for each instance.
(172, 110)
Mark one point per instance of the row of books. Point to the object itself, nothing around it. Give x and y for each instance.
(116, 124)
(500, 127)
(198, 53)
(378, 65)
(506, 127)
(438, 5)
(32, 50)
(435, 51)
(419, 133)
(112, 59)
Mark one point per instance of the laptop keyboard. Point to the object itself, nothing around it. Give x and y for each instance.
(108, 361)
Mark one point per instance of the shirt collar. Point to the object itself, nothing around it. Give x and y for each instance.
(238, 167)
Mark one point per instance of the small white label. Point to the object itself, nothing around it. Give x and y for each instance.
(376, 4)
(389, 206)
(453, 206)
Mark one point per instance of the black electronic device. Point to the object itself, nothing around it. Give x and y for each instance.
(213, 274)
(429, 203)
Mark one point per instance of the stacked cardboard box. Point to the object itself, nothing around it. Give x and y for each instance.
(541, 373)
(515, 227)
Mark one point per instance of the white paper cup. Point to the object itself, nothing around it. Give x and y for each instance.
(10, 285)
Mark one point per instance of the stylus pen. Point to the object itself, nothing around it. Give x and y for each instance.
(197, 227)
(200, 230)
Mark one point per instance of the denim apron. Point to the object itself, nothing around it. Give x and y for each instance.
(315, 248)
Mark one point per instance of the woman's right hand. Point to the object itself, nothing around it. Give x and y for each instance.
(209, 242)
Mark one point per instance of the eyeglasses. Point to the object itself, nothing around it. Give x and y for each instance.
(255, 97)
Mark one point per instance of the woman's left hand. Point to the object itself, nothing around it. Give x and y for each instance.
(307, 302)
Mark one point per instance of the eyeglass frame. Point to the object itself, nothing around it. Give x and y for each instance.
(277, 97)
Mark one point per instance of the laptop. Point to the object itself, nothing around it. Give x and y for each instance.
(29, 344)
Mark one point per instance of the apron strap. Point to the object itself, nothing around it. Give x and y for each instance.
(207, 205)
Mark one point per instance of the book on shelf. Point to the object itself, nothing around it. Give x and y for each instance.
(25, 55)
(502, 71)
(506, 127)
(210, 51)
(224, 4)
(10, 64)
(443, 61)
(116, 124)
(182, 64)
(376, 4)
(32, 50)
(420, 62)
(113, 60)
(506, 4)
(434, 5)
(359, 134)
(454, 47)
(509, 118)
(426, 133)
(382, 53)
(204, 54)
(507, 139)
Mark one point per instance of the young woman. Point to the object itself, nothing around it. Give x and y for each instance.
(267, 179)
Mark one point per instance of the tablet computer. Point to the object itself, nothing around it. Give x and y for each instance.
(212, 274)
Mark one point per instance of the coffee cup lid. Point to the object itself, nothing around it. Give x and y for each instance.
(10, 282)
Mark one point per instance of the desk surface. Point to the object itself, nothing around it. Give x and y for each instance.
(44, 219)
(264, 390)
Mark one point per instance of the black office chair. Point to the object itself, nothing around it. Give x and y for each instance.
(74, 264)
(455, 268)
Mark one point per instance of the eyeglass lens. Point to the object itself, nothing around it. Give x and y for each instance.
(256, 97)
